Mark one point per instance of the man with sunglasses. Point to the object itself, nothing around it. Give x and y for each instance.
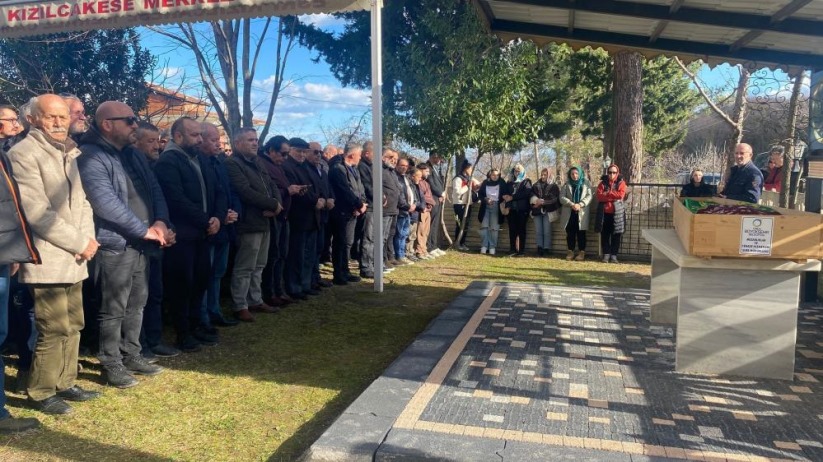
(9, 127)
(132, 222)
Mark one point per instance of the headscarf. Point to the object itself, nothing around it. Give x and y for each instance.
(518, 177)
(577, 186)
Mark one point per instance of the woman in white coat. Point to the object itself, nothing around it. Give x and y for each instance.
(574, 217)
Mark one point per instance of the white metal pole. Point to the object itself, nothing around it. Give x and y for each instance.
(377, 138)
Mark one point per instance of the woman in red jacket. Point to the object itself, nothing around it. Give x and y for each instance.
(610, 220)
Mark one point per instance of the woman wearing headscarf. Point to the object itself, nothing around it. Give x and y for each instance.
(696, 187)
(490, 194)
(575, 197)
(462, 190)
(545, 201)
(610, 221)
(517, 197)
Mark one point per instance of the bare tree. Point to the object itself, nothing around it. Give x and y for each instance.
(789, 144)
(738, 115)
(227, 55)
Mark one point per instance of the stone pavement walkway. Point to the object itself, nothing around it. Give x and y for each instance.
(528, 372)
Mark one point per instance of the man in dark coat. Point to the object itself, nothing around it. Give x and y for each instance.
(131, 221)
(746, 180)
(438, 188)
(364, 231)
(303, 220)
(197, 206)
(319, 172)
(350, 203)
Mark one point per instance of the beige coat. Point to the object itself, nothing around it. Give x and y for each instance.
(55, 204)
(566, 197)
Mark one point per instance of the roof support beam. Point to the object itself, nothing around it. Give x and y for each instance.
(661, 26)
(776, 18)
(687, 15)
(684, 47)
(676, 4)
(571, 21)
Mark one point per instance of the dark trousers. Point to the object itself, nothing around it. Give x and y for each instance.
(121, 279)
(358, 237)
(22, 330)
(367, 244)
(325, 249)
(311, 259)
(434, 234)
(219, 257)
(294, 262)
(609, 240)
(575, 234)
(5, 291)
(283, 231)
(321, 242)
(459, 210)
(389, 231)
(518, 223)
(186, 269)
(89, 337)
(152, 331)
(267, 283)
(343, 226)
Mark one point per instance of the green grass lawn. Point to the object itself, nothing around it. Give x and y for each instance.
(271, 388)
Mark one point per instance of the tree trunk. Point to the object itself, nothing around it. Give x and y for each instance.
(628, 114)
(738, 116)
(468, 204)
(536, 160)
(788, 143)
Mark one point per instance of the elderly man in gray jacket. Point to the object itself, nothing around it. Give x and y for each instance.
(45, 167)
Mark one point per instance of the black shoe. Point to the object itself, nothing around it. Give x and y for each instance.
(300, 296)
(10, 424)
(189, 345)
(139, 365)
(206, 338)
(149, 356)
(119, 377)
(353, 278)
(165, 351)
(312, 292)
(340, 282)
(325, 284)
(540, 251)
(52, 405)
(367, 274)
(211, 330)
(223, 322)
(21, 385)
(76, 393)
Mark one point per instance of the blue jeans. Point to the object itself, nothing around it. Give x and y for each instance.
(22, 330)
(219, 256)
(490, 226)
(543, 231)
(152, 333)
(403, 229)
(5, 287)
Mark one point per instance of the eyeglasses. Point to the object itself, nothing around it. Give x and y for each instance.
(11, 120)
(130, 120)
(612, 172)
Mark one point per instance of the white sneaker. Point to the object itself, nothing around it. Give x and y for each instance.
(482, 250)
(437, 253)
(605, 258)
(491, 251)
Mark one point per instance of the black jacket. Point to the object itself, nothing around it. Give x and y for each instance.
(550, 193)
(364, 168)
(181, 187)
(521, 192)
(745, 183)
(16, 243)
(257, 192)
(701, 190)
(393, 192)
(320, 183)
(481, 195)
(438, 185)
(346, 187)
(302, 216)
(105, 180)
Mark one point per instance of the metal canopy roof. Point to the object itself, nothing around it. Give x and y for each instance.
(756, 33)
(34, 17)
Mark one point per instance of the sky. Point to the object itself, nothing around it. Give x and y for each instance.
(313, 105)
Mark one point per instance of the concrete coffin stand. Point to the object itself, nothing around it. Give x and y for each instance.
(734, 316)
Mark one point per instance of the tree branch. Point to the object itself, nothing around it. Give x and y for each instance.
(705, 95)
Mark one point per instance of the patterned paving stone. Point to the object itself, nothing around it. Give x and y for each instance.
(583, 368)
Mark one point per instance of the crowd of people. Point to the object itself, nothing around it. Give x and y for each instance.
(107, 219)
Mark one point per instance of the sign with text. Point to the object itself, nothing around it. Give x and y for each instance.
(20, 17)
(756, 236)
